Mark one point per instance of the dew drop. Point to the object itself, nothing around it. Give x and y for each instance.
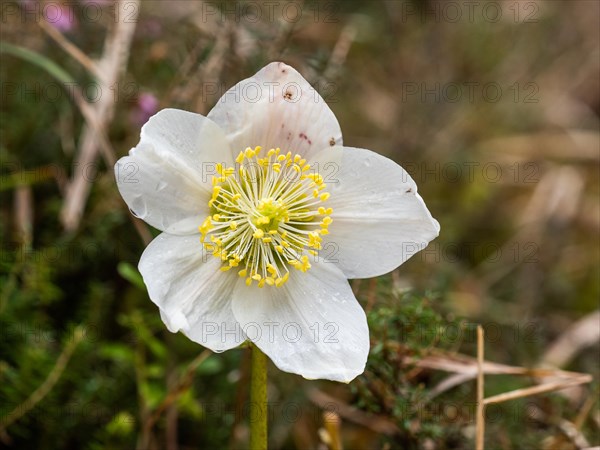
(139, 216)
(139, 209)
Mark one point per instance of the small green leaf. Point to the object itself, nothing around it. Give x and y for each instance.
(131, 274)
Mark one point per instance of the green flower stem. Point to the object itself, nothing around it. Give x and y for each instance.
(258, 400)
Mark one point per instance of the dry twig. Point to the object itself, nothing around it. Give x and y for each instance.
(111, 65)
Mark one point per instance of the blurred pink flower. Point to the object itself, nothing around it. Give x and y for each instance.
(146, 107)
(61, 17)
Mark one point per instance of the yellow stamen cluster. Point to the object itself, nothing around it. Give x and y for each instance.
(266, 215)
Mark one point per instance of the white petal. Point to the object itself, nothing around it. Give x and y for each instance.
(379, 220)
(193, 295)
(277, 107)
(312, 325)
(166, 178)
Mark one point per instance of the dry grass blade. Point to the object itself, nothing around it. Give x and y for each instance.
(581, 334)
(568, 429)
(448, 383)
(70, 48)
(545, 387)
(463, 364)
(480, 417)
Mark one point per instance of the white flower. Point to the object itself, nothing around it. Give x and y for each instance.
(264, 216)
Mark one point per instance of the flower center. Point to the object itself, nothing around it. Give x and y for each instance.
(266, 216)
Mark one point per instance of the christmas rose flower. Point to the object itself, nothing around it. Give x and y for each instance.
(264, 216)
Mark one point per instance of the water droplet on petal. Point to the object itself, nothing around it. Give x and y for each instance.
(139, 216)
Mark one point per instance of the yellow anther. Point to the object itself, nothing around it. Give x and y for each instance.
(270, 281)
(248, 281)
(243, 273)
(258, 234)
(325, 196)
(232, 225)
(305, 264)
(262, 220)
(267, 240)
(240, 158)
(314, 240)
(318, 179)
(256, 277)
